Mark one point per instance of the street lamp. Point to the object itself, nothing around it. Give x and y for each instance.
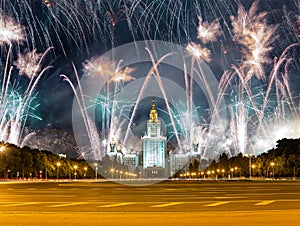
(96, 170)
(232, 169)
(112, 170)
(236, 172)
(208, 173)
(253, 167)
(85, 169)
(75, 168)
(2, 149)
(250, 156)
(58, 165)
(273, 164)
(218, 171)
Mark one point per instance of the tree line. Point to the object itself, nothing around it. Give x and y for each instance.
(24, 163)
(281, 161)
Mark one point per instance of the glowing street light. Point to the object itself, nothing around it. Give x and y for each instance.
(232, 169)
(96, 170)
(112, 170)
(236, 171)
(75, 168)
(253, 168)
(250, 157)
(58, 165)
(2, 149)
(85, 169)
(218, 171)
(273, 164)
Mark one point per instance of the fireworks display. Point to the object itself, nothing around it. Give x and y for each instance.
(252, 48)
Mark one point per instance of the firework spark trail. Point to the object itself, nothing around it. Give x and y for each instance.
(141, 92)
(105, 68)
(12, 128)
(119, 75)
(84, 23)
(162, 89)
(277, 64)
(90, 128)
(251, 31)
(186, 82)
(287, 85)
(114, 74)
(198, 52)
(14, 116)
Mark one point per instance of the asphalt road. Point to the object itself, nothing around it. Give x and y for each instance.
(176, 203)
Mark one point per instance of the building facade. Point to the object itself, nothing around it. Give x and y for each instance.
(154, 146)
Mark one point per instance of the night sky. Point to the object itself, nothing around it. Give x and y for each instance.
(80, 30)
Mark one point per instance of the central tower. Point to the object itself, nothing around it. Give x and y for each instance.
(154, 146)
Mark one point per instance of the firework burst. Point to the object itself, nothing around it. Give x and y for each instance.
(10, 31)
(28, 64)
(255, 36)
(208, 32)
(198, 51)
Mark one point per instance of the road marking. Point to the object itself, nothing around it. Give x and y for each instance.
(230, 197)
(168, 204)
(217, 203)
(169, 189)
(264, 203)
(20, 204)
(118, 204)
(68, 204)
(172, 195)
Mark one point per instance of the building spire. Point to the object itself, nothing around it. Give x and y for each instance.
(153, 103)
(153, 112)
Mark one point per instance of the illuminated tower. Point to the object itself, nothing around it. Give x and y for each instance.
(154, 146)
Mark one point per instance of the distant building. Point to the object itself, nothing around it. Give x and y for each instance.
(62, 155)
(154, 147)
(131, 160)
(115, 151)
(181, 161)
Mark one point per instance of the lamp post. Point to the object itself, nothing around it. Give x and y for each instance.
(96, 170)
(2, 149)
(112, 170)
(250, 169)
(75, 168)
(236, 172)
(85, 169)
(223, 171)
(218, 171)
(58, 165)
(273, 164)
(253, 167)
(208, 174)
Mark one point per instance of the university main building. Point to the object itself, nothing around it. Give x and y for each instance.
(154, 147)
(153, 161)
